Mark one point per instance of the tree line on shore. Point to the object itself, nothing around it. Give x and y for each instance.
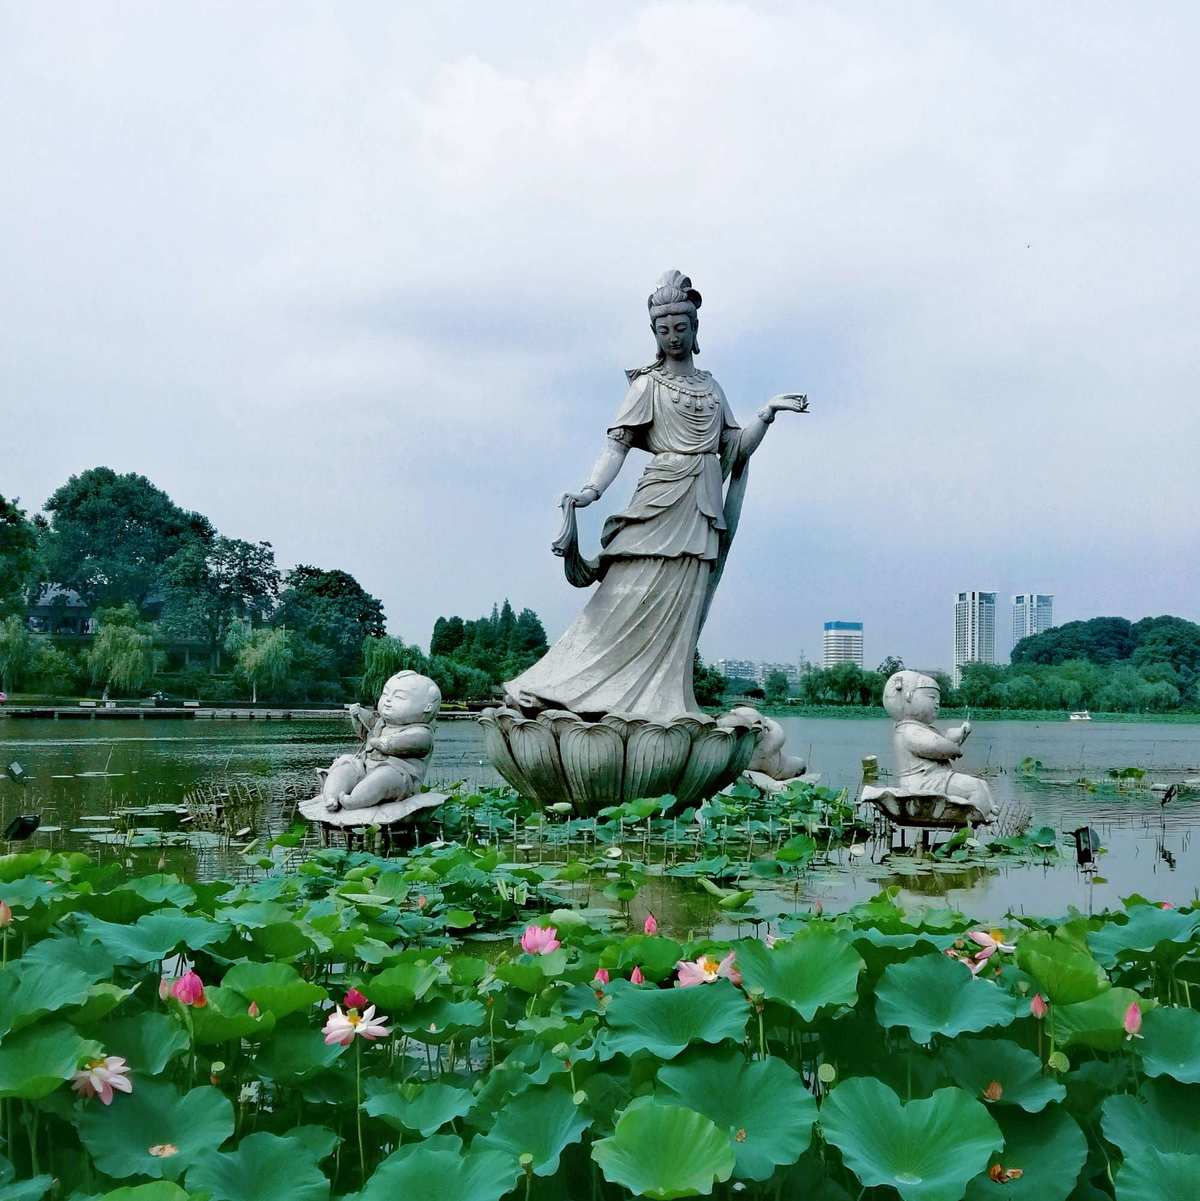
(174, 606)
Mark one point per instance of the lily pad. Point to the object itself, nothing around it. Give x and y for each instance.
(1170, 1044)
(1163, 1116)
(277, 987)
(664, 1021)
(399, 988)
(30, 991)
(926, 1150)
(440, 1170)
(153, 937)
(226, 1016)
(747, 1100)
(1153, 1175)
(1097, 1022)
(814, 968)
(425, 1108)
(936, 995)
(264, 1167)
(34, 1062)
(146, 1041)
(1150, 933)
(664, 1151)
(976, 1064)
(541, 1122)
(154, 1131)
(1061, 969)
(294, 1053)
(1047, 1148)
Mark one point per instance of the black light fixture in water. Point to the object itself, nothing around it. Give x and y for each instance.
(1087, 846)
(21, 827)
(17, 773)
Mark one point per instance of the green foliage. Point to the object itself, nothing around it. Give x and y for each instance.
(486, 651)
(18, 558)
(16, 652)
(110, 536)
(264, 658)
(332, 610)
(121, 656)
(708, 683)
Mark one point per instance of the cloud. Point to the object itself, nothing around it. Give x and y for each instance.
(363, 281)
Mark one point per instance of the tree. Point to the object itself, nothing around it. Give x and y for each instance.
(332, 609)
(264, 659)
(16, 652)
(448, 635)
(382, 658)
(890, 665)
(53, 669)
(210, 585)
(776, 687)
(18, 558)
(110, 535)
(1100, 640)
(500, 646)
(122, 655)
(707, 682)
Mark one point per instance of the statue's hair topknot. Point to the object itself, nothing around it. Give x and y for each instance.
(673, 294)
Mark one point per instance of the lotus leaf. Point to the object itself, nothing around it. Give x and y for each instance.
(540, 1122)
(156, 1190)
(936, 995)
(664, 1021)
(425, 1108)
(294, 1053)
(30, 991)
(146, 1041)
(926, 1150)
(975, 1063)
(1151, 1175)
(1163, 1116)
(1170, 1044)
(154, 1116)
(813, 969)
(264, 1167)
(439, 1020)
(153, 937)
(1048, 1149)
(664, 1151)
(1097, 1022)
(277, 987)
(64, 951)
(1150, 932)
(1062, 970)
(399, 988)
(226, 1016)
(440, 1170)
(764, 1105)
(34, 1062)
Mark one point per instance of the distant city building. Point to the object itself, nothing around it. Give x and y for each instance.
(756, 671)
(762, 670)
(842, 642)
(974, 630)
(1033, 613)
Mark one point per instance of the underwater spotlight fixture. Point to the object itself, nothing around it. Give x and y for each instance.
(1087, 846)
(21, 827)
(17, 773)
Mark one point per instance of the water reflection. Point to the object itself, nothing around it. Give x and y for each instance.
(83, 771)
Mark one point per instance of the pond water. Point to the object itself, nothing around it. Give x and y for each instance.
(81, 773)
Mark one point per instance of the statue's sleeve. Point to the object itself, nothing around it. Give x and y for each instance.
(927, 743)
(730, 432)
(635, 414)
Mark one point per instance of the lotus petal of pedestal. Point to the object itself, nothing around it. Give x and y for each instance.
(558, 756)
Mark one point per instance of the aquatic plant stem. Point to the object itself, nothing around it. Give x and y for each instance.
(362, 1156)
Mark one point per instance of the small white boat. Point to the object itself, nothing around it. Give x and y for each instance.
(1082, 715)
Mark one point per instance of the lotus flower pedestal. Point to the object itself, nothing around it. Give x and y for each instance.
(557, 756)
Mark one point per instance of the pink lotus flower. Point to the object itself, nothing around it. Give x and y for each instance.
(636, 977)
(601, 976)
(253, 1010)
(189, 990)
(355, 1000)
(98, 1078)
(1166, 905)
(771, 939)
(650, 925)
(6, 915)
(540, 940)
(1038, 1006)
(345, 1027)
(1132, 1021)
(990, 942)
(705, 970)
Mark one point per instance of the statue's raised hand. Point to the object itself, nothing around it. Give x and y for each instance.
(792, 402)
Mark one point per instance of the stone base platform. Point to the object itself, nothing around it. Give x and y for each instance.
(923, 810)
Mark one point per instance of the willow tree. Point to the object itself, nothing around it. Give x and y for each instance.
(122, 655)
(264, 658)
(16, 652)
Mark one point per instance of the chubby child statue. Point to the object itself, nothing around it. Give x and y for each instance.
(924, 753)
(397, 741)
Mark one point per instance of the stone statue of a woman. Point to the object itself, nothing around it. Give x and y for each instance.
(631, 650)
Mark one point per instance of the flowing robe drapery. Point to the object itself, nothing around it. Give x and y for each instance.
(632, 648)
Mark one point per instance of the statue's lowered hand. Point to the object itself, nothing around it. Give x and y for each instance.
(579, 499)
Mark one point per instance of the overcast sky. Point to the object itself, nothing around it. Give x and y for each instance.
(362, 279)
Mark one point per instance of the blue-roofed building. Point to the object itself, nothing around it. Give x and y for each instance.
(842, 642)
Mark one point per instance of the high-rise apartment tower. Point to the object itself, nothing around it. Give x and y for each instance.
(1033, 613)
(974, 630)
(842, 642)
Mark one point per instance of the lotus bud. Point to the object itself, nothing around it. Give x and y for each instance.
(601, 976)
(1132, 1021)
(6, 915)
(636, 977)
(1038, 1006)
(650, 925)
(355, 1000)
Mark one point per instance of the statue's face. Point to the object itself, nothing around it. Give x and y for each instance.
(403, 701)
(925, 703)
(675, 335)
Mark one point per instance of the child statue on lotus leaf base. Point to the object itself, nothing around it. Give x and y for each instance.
(397, 741)
(928, 791)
